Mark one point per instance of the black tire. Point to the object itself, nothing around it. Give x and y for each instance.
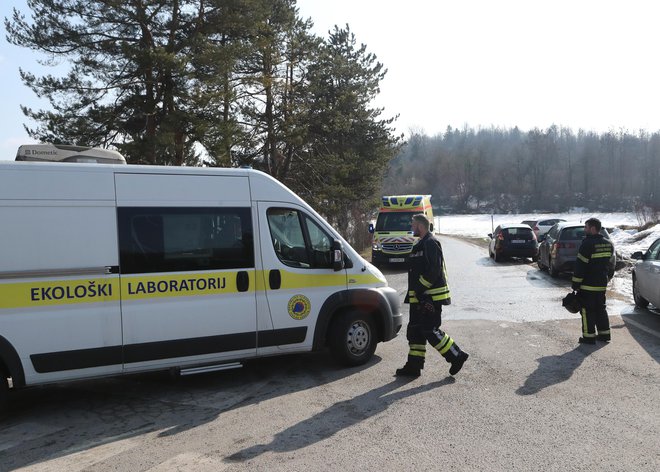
(4, 394)
(535, 258)
(540, 264)
(551, 269)
(353, 338)
(640, 301)
(497, 258)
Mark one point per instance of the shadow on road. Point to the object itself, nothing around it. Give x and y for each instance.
(487, 261)
(644, 326)
(554, 370)
(339, 416)
(78, 416)
(543, 279)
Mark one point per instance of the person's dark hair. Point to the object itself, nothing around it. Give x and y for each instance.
(594, 223)
(422, 219)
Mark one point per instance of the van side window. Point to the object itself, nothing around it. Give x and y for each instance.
(298, 240)
(320, 245)
(286, 232)
(177, 239)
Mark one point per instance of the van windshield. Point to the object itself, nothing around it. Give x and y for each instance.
(395, 221)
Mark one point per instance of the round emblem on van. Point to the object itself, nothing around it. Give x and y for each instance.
(299, 307)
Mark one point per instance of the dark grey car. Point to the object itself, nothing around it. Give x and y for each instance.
(512, 240)
(558, 249)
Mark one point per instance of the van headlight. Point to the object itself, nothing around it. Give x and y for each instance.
(376, 246)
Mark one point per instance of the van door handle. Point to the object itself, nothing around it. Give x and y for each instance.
(275, 279)
(242, 281)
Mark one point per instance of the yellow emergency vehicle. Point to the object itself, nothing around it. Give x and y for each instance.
(393, 240)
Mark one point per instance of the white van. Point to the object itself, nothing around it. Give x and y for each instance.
(111, 269)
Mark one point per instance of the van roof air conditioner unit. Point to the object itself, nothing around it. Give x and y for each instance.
(64, 153)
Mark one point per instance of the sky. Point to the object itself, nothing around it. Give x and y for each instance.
(584, 64)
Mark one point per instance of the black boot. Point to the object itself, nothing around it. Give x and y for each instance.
(408, 370)
(584, 340)
(457, 362)
(604, 337)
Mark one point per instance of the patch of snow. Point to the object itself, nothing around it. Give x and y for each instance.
(629, 241)
(481, 225)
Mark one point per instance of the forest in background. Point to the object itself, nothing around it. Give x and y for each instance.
(547, 170)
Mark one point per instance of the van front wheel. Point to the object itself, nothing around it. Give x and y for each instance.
(4, 394)
(352, 338)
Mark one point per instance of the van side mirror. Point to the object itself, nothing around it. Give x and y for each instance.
(490, 235)
(542, 238)
(337, 255)
(371, 228)
(639, 255)
(431, 227)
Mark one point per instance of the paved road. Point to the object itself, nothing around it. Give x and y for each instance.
(529, 398)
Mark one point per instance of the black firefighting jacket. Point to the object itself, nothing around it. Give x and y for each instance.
(591, 264)
(426, 273)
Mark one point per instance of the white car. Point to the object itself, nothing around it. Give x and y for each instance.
(646, 276)
(540, 227)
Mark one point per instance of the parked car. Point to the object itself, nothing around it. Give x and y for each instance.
(646, 276)
(540, 227)
(512, 240)
(559, 247)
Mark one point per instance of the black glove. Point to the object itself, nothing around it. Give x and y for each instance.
(426, 305)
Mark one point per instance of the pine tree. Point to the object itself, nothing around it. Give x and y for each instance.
(128, 83)
(349, 146)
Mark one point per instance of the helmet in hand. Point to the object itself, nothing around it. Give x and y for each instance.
(572, 302)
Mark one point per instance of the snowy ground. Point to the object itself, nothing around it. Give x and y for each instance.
(625, 241)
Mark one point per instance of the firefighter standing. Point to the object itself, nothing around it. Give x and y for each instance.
(590, 279)
(427, 292)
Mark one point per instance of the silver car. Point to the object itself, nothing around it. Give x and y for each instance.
(559, 247)
(646, 276)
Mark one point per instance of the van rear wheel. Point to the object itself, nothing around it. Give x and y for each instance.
(352, 338)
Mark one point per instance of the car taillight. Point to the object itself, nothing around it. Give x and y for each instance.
(565, 245)
(500, 237)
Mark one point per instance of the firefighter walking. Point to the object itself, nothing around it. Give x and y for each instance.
(590, 280)
(427, 293)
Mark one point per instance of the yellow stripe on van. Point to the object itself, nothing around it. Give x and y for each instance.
(138, 287)
(58, 292)
(295, 280)
(182, 285)
(366, 279)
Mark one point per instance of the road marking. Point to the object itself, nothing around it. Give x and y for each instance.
(15, 435)
(642, 327)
